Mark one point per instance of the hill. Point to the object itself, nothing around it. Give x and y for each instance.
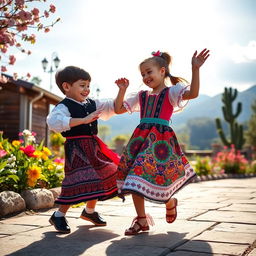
(203, 106)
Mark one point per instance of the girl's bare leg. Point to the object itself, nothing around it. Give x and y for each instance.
(64, 208)
(91, 204)
(139, 204)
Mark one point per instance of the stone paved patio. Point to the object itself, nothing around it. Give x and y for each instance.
(214, 218)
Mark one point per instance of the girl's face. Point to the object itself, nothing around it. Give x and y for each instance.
(152, 75)
(79, 90)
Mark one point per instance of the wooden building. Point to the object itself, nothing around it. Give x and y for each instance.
(24, 105)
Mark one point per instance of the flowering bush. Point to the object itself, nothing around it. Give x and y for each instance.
(231, 160)
(203, 166)
(25, 164)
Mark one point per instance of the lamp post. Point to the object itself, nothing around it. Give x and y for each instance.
(54, 59)
(98, 92)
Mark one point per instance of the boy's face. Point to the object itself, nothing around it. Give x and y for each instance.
(78, 91)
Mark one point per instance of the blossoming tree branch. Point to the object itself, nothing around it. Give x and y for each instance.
(18, 20)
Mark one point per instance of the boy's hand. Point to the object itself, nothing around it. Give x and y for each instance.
(198, 60)
(92, 117)
(122, 83)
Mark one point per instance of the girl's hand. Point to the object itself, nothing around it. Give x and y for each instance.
(198, 60)
(122, 83)
(92, 117)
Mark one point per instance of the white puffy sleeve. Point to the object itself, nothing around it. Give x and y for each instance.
(59, 118)
(175, 96)
(106, 107)
(132, 102)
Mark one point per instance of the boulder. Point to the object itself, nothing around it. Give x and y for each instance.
(11, 202)
(55, 191)
(38, 198)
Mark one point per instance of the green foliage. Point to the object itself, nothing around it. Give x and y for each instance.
(251, 131)
(25, 164)
(203, 166)
(56, 139)
(236, 130)
(104, 131)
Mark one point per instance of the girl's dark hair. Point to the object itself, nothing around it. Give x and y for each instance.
(70, 75)
(165, 60)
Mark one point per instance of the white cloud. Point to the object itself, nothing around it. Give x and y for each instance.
(243, 54)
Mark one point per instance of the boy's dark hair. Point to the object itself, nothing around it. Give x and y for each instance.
(70, 74)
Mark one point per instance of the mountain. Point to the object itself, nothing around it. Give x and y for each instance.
(203, 106)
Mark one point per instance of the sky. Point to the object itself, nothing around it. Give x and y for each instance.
(110, 38)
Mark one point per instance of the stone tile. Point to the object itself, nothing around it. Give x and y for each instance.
(240, 208)
(226, 237)
(238, 228)
(228, 216)
(252, 253)
(204, 206)
(211, 247)
(29, 220)
(187, 253)
(8, 229)
(241, 201)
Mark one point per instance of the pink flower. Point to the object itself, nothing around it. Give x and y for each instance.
(46, 30)
(28, 150)
(35, 12)
(3, 69)
(46, 14)
(59, 160)
(2, 153)
(52, 8)
(12, 59)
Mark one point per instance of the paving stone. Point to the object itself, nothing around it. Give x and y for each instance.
(212, 247)
(240, 207)
(226, 237)
(187, 253)
(228, 216)
(8, 229)
(241, 201)
(238, 228)
(252, 253)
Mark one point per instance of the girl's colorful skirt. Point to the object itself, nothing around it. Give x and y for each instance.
(153, 164)
(90, 171)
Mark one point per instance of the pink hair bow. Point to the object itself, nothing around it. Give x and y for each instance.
(158, 53)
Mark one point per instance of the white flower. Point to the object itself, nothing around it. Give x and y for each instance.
(27, 133)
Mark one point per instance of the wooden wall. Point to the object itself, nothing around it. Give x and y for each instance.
(9, 111)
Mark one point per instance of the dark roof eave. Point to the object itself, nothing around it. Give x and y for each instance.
(33, 87)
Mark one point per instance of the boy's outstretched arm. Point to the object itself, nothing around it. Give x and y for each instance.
(197, 62)
(86, 120)
(122, 83)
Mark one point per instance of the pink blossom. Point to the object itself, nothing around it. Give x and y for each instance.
(3, 69)
(35, 12)
(28, 150)
(19, 2)
(52, 8)
(59, 160)
(2, 153)
(46, 30)
(28, 75)
(24, 16)
(46, 14)
(12, 59)
(33, 134)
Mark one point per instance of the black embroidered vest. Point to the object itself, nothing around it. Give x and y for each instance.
(79, 111)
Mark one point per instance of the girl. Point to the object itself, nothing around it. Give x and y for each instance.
(152, 165)
(90, 167)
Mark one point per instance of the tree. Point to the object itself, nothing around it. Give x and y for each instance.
(250, 133)
(36, 80)
(104, 131)
(17, 19)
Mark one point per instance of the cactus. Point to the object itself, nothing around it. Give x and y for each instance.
(236, 130)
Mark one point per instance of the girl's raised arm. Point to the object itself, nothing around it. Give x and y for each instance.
(197, 62)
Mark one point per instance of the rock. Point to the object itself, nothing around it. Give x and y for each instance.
(11, 202)
(38, 198)
(56, 192)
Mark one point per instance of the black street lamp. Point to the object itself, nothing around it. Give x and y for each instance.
(54, 59)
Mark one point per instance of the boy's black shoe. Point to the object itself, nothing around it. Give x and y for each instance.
(95, 218)
(60, 224)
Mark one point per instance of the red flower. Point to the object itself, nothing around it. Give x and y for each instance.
(28, 150)
(138, 170)
(159, 179)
